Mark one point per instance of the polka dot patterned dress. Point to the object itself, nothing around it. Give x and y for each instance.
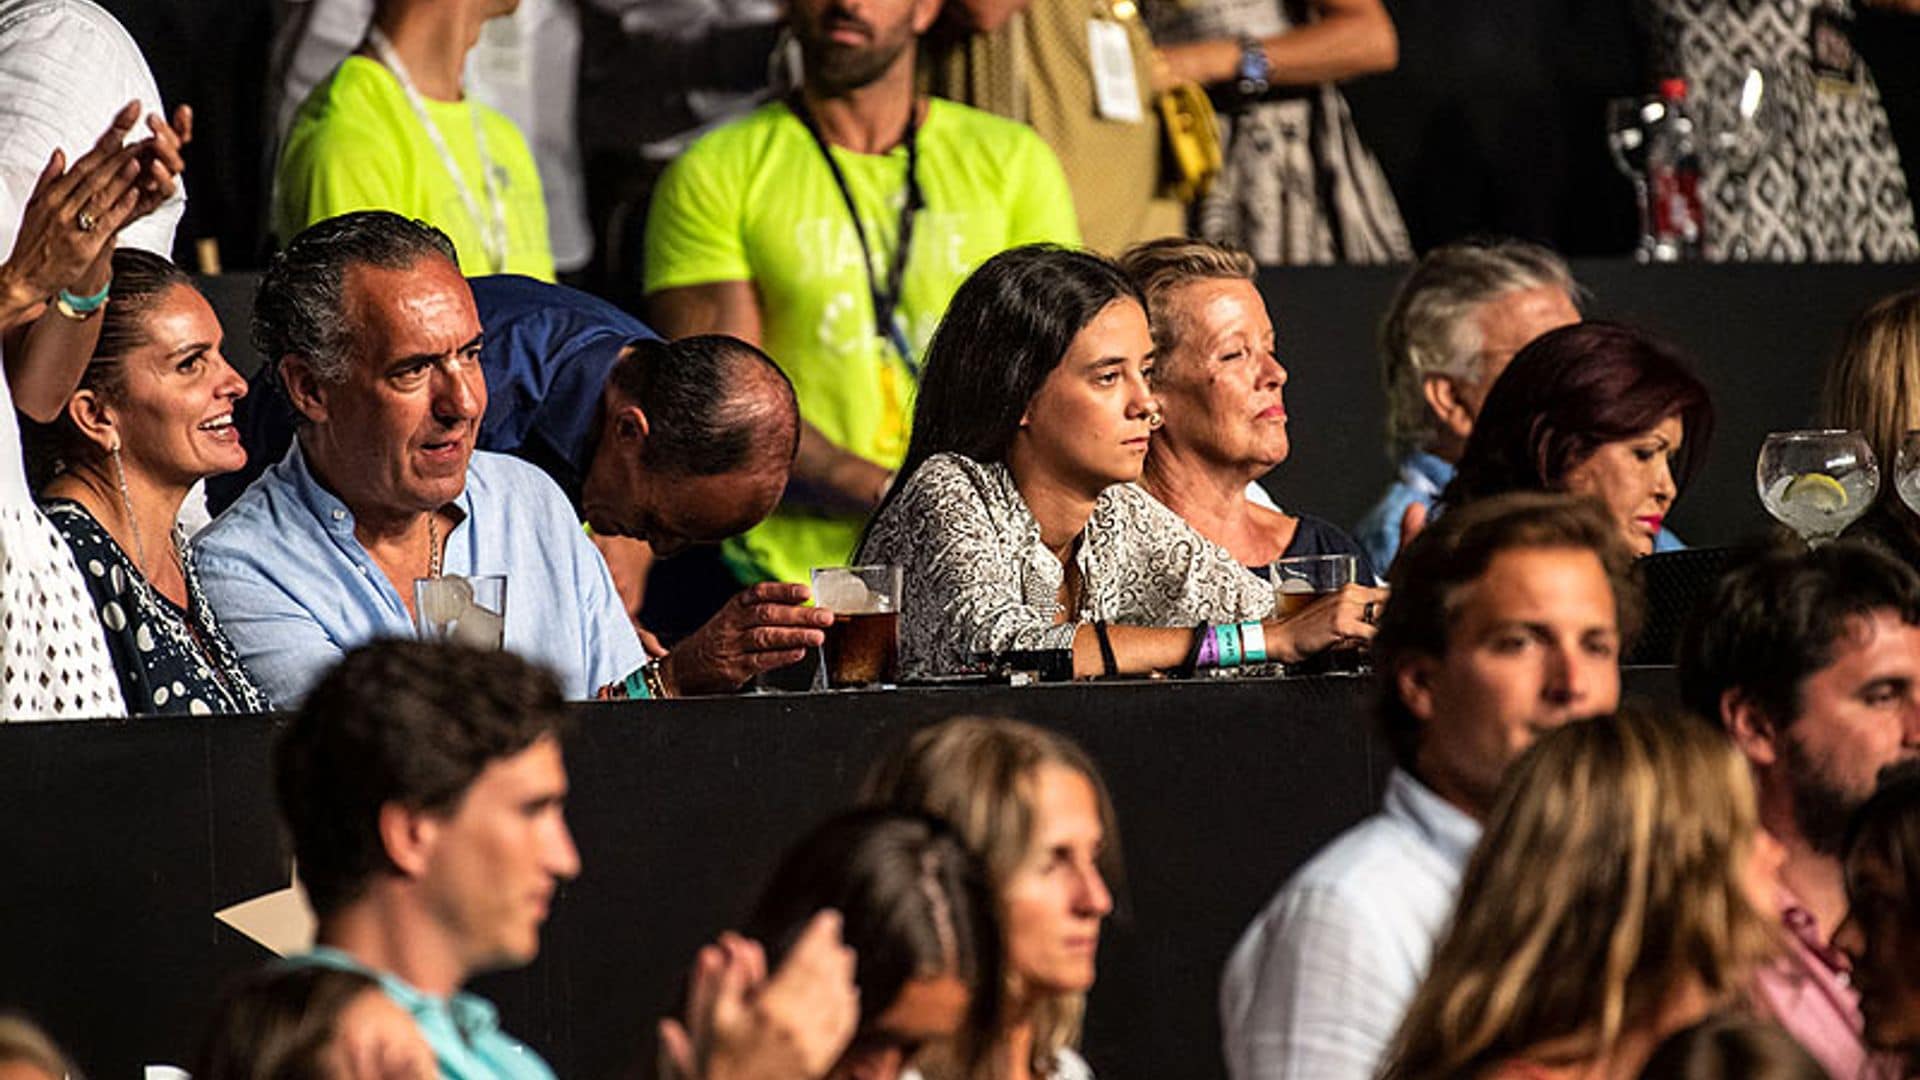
(168, 659)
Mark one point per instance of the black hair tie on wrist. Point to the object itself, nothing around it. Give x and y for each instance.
(1107, 663)
(1192, 662)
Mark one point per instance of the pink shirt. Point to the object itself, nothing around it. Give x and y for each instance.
(1809, 992)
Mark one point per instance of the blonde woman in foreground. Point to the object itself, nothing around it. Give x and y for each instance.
(1032, 806)
(1617, 896)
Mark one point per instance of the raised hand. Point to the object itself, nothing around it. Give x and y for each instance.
(73, 213)
(741, 1025)
(161, 160)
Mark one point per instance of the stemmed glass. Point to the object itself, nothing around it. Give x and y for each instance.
(1906, 471)
(1817, 482)
(1738, 128)
(1628, 119)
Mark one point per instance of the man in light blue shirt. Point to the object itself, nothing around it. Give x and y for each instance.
(1506, 618)
(378, 342)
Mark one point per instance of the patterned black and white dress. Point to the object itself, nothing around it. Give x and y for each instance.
(1298, 186)
(1828, 185)
(169, 660)
(978, 578)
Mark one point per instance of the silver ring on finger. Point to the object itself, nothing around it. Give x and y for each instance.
(85, 222)
(1369, 613)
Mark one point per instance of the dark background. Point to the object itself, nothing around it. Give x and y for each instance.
(121, 839)
(1758, 334)
(1491, 123)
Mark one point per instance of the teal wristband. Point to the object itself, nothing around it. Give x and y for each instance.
(82, 305)
(1229, 636)
(1253, 642)
(635, 685)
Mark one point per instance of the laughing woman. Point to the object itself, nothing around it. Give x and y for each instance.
(153, 414)
(1019, 520)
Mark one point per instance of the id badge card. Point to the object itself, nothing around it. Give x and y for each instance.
(1830, 55)
(1116, 89)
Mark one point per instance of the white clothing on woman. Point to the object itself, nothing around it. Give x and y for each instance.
(66, 67)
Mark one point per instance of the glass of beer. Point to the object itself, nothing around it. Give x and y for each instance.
(863, 644)
(463, 610)
(1302, 579)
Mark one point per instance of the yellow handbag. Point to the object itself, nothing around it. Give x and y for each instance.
(1192, 139)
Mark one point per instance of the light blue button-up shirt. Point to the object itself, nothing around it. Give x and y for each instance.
(1317, 986)
(464, 1030)
(294, 588)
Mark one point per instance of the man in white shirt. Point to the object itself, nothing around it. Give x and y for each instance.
(1506, 619)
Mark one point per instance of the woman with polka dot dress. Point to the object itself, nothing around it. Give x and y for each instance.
(153, 414)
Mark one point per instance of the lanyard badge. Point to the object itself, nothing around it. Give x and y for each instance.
(885, 294)
(492, 225)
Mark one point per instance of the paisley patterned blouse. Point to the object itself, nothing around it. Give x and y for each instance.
(978, 579)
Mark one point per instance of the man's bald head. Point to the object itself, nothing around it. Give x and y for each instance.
(713, 428)
(715, 404)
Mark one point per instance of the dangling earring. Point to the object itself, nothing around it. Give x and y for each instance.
(126, 505)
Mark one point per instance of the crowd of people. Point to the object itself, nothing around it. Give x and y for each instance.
(872, 334)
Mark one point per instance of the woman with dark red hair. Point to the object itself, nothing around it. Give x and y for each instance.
(1592, 409)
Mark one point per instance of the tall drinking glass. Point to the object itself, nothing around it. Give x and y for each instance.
(463, 610)
(863, 645)
(1817, 482)
(1300, 580)
(1906, 471)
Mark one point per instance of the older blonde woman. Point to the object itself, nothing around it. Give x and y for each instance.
(1873, 384)
(1220, 385)
(1032, 805)
(1616, 897)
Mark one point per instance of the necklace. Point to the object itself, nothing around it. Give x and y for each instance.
(433, 546)
(133, 523)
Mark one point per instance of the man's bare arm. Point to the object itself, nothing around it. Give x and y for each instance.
(720, 307)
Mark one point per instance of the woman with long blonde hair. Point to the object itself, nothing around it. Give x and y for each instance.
(1873, 385)
(1032, 805)
(1618, 895)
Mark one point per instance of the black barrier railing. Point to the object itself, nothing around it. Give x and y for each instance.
(121, 840)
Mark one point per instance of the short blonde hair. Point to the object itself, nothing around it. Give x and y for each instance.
(1159, 268)
(978, 774)
(22, 1040)
(1613, 868)
(1873, 384)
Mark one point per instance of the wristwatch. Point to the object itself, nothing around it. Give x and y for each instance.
(1254, 67)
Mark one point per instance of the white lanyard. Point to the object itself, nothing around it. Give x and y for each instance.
(493, 227)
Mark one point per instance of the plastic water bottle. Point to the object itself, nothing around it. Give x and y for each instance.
(1675, 216)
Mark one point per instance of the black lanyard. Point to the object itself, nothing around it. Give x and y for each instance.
(886, 297)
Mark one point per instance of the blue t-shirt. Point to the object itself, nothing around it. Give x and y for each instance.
(464, 1030)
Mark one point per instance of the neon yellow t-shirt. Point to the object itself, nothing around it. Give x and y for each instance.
(754, 201)
(356, 144)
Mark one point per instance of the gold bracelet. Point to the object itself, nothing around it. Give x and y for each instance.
(60, 305)
(656, 683)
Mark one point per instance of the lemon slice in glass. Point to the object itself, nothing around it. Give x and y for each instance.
(1815, 491)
